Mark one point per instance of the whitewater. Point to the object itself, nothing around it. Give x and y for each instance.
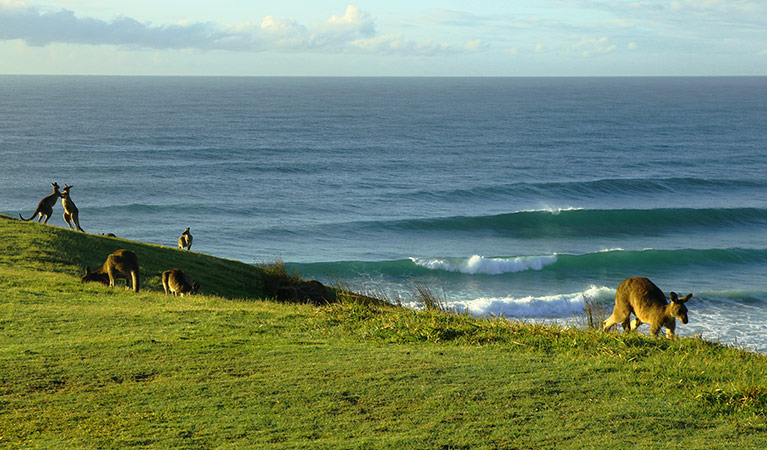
(515, 197)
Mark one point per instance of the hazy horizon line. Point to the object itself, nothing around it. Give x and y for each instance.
(372, 76)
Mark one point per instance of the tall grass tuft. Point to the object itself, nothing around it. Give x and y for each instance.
(425, 297)
(366, 295)
(277, 270)
(594, 314)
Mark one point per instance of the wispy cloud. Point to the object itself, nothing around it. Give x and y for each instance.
(588, 47)
(354, 31)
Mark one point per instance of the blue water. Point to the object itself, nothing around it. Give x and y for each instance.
(509, 196)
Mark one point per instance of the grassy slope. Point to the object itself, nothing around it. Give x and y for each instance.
(85, 366)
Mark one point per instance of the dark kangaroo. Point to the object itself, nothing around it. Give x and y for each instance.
(71, 213)
(643, 298)
(120, 264)
(45, 207)
(178, 283)
(185, 240)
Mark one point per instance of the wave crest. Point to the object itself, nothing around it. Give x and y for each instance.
(562, 305)
(490, 266)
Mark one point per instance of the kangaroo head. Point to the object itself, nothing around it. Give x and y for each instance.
(55, 186)
(195, 287)
(89, 276)
(678, 310)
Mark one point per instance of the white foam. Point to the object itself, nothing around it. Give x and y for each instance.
(552, 210)
(491, 266)
(561, 305)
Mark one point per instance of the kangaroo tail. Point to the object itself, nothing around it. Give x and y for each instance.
(30, 218)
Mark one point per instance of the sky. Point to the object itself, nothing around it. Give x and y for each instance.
(384, 37)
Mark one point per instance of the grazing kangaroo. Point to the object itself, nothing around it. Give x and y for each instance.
(185, 240)
(643, 298)
(120, 264)
(45, 207)
(179, 283)
(71, 213)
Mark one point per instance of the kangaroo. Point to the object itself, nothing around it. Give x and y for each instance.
(120, 264)
(45, 207)
(185, 240)
(71, 213)
(643, 298)
(179, 283)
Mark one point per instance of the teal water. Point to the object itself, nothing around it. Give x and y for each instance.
(509, 196)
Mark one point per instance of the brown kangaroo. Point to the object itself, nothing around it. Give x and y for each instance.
(120, 264)
(178, 283)
(45, 207)
(185, 240)
(643, 298)
(71, 213)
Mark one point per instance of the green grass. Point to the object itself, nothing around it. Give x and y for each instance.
(86, 366)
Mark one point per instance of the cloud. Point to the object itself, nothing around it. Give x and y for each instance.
(353, 21)
(354, 31)
(39, 29)
(589, 47)
(395, 44)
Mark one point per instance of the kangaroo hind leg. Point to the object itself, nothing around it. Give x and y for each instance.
(76, 220)
(68, 220)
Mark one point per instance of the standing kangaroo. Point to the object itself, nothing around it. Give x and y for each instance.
(71, 213)
(120, 264)
(643, 298)
(185, 240)
(45, 207)
(179, 283)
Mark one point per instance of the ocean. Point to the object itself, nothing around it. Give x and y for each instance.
(514, 197)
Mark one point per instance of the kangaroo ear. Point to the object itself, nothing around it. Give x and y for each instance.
(673, 296)
(685, 298)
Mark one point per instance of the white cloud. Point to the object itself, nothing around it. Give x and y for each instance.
(632, 46)
(395, 44)
(354, 31)
(589, 47)
(39, 29)
(353, 20)
(474, 45)
(282, 27)
(15, 4)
